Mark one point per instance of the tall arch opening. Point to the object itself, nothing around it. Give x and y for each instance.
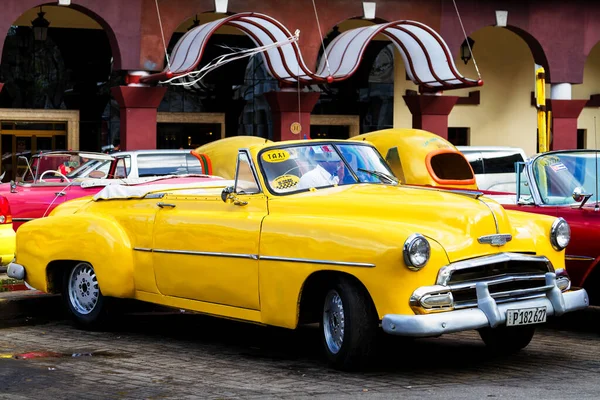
(504, 113)
(56, 85)
(587, 131)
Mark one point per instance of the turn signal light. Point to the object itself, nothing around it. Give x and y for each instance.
(437, 300)
(5, 214)
(562, 279)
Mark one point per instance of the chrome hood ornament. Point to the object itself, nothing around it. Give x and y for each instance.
(495, 240)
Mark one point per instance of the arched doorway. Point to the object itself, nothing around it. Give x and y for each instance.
(588, 135)
(505, 116)
(56, 84)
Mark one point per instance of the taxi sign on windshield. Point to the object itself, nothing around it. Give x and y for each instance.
(275, 156)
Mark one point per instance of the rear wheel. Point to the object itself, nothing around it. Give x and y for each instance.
(83, 297)
(507, 339)
(349, 325)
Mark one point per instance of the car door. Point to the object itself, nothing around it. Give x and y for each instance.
(32, 201)
(206, 248)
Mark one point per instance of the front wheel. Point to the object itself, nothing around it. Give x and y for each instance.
(348, 325)
(507, 339)
(83, 297)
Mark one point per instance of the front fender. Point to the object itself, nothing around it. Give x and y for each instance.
(99, 240)
(536, 227)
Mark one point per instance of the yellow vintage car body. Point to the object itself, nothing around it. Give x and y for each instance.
(223, 153)
(254, 262)
(7, 244)
(418, 157)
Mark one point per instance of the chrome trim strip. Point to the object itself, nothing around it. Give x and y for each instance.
(256, 257)
(569, 257)
(497, 281)
(470, 304)
(445, 272)
(321, 262)
(206, 253)
(470, 193)
(493, 214)
(23, 219)
(522, 292)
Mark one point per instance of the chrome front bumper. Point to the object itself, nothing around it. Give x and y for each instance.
(487, 313)
(15, 271)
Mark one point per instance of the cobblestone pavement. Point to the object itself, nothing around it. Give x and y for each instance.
(190, 356)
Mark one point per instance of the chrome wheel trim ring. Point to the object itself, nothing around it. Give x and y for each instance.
(333, 321)
(83, 289)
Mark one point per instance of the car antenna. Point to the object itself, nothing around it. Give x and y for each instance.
(596, 207)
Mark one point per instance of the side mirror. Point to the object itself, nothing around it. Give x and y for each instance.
(13, 187)
(578, 194)
(226, 194)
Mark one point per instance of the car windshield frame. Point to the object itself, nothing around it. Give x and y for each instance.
(565, 178)
(35, 171)
(347, 165)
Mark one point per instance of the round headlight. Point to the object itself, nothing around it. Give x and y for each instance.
(560, 234)
(416, 252)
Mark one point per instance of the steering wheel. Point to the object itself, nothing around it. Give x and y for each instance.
(53, 172)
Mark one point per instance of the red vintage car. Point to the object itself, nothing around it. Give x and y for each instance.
(51, 178)
(565, 184)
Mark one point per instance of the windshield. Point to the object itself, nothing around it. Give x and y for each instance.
(557, 175)
(86, 167)
(71, 165)
(302, 167)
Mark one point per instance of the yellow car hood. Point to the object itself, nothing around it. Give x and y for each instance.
(456, 221)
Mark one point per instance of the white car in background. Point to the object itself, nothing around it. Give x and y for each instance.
(141, 164)
(494, 166)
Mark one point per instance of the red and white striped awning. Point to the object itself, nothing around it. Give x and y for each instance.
(426, 56)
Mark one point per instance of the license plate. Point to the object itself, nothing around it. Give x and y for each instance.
(525, 316)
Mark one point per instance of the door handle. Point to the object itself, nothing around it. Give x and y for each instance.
(58, 194)
(163, 205)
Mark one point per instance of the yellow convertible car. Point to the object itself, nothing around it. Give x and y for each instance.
(309, 231)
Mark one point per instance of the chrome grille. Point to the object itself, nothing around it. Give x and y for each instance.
(509, 277)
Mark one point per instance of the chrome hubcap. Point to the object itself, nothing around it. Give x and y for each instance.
(83, 288)
(333, 321)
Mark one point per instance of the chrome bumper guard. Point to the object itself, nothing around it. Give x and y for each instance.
(487, 313)
(15, 271)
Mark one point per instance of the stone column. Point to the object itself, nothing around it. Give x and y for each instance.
(138, 107)
(430, 112)
(565, 113)
(284, 111)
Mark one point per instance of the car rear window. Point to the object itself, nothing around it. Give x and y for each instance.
(168, 164)
(500, 163)
(475, 160)
(493, 162)
(451, 166)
